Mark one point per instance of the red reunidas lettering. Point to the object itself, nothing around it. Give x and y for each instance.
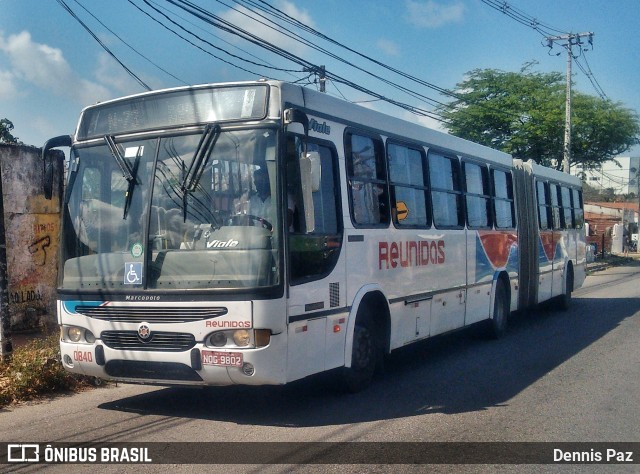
(410, 254)
(228, 324)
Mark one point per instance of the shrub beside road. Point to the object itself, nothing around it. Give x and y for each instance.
(35, 370)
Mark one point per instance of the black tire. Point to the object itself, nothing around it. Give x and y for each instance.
(564, 300)
(364, 357)
(497, 326)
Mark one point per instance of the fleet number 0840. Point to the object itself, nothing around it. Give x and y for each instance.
(82, 356)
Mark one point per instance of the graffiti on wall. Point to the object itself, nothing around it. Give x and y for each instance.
(39, 250)
(31, 232)
(32, 263)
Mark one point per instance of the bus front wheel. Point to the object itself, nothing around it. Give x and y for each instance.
(364, 356)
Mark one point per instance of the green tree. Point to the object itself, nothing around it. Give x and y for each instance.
(524, 113)
(5, 132)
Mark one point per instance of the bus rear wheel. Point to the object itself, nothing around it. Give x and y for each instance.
(497, 325)
(564, 300)
(364, 357)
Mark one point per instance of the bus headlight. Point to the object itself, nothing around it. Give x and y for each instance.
(245, 338)
(74, 333)
(77, 334)
(241, 337)
(218, 339)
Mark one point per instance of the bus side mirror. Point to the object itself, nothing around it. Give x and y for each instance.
(47, 162)
(296, 116)
(310, 174)
(316, 170)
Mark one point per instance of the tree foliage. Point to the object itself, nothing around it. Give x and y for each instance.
(5, 132)
(524, 114)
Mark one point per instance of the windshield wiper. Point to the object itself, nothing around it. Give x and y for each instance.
(198, 163)
(128, 173)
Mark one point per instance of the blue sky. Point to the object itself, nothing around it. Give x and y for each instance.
(50, 67)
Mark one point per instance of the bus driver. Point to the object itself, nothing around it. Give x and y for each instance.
(260, 201)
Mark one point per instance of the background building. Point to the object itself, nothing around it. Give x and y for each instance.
(621, 174)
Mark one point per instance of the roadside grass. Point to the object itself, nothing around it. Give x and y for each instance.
(35, 370)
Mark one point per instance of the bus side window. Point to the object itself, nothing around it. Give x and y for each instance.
(544, 216)
(446, 191)
(477, 195)
(566, 212)
(578, 212)
(314, 255)
(367, 181)
(409, 186)
(555, 205)
(503, 199)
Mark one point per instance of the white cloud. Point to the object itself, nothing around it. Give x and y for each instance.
(388, 47)
(111, 74)
(48, 127)
(431, 14)
(8, 88)
(249, 21)
(46, 67)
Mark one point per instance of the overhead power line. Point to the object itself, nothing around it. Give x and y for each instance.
(547, 32)
(109, 52)
(227, 26)
(523, 18)
(586, 70)
(209, 33)
(269, 9)
(127, 44)
(198, 38)
(224, 25)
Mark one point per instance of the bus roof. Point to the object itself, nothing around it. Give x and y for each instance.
(353, 114)
(552, 174)
(331, 108)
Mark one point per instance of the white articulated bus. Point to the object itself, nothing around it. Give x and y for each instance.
(260, 232)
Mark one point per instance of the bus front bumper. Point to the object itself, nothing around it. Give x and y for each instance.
(198, 366)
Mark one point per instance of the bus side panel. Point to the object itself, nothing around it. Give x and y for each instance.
(410, 321)
(448, 250)
(306, 345)
(489, 252)
(411, 267)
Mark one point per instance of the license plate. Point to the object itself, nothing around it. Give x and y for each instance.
(227, 359)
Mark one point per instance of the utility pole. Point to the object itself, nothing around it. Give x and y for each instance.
(322, 77)
(568, 41)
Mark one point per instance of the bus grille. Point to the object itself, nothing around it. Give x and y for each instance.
(151, 370)
(150, 314)
(160, 341)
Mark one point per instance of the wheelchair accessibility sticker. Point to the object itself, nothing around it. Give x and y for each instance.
(133, 273)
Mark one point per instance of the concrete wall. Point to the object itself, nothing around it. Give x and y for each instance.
(32, 226)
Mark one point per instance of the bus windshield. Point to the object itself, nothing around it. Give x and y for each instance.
(189, 211)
